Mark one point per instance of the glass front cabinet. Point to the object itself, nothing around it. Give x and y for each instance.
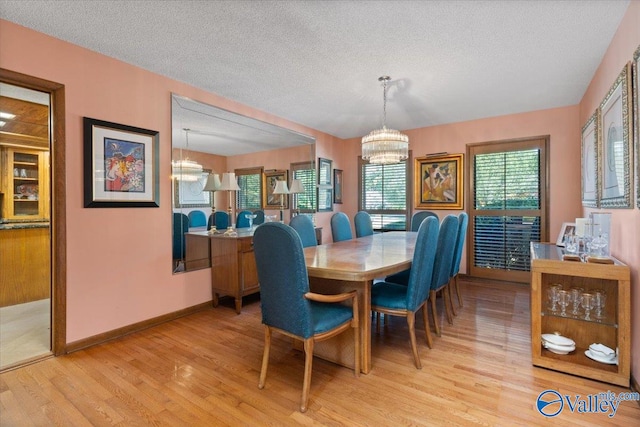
(25, 184)
(580, 319)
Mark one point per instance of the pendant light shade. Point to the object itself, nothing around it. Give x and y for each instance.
(185, 169)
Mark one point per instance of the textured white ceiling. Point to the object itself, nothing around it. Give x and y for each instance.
(317, 63)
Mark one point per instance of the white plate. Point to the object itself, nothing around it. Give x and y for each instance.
(558, 340)
(558, 349)
(611, 361)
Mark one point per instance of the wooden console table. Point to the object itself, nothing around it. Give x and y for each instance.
(233, 267)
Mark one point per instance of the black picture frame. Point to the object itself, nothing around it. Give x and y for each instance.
(325, 199)
(121, 165)
(324, 171)
(337, 186)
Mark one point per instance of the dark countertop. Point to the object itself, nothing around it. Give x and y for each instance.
(15, 225)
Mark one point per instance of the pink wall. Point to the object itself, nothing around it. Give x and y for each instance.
(625, 233)
(119, 260)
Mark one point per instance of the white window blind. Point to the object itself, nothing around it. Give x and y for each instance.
(306, 172)
(250, 195)
(383, 194)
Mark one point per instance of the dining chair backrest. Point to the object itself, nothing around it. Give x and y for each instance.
(420, 216)
(363, 225)
(305, 229)
(197, 219)
(221, 220)
(340, 227)
(241, 220)
(463, 221)
(180, 226)
(259, 219)
(444, 251)
(422, 265)
(282, 273)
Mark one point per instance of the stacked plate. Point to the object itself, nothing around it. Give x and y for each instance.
(558, 344)
(601, 353)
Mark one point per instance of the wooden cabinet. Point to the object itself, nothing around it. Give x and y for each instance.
(25, 184)
(233, 267)
(613, 330)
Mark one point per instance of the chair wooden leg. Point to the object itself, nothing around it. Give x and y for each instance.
(355, 324)
(306, 383)
(453, 309)
(265, 357)
(411, 320)
(447, 304)
(455, 280)
(426, 325)
(434, 313)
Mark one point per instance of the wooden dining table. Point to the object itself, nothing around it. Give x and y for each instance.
(353, 265)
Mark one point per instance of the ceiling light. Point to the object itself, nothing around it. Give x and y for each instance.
(186, 170)
(385, 146)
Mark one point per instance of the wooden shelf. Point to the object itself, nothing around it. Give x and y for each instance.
(548, 268)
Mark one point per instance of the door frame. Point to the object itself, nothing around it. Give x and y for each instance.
(57, 220)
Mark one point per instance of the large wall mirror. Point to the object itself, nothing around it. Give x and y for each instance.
(208, 144)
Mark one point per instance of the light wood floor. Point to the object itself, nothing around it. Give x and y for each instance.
(25, 333)
(202, 370)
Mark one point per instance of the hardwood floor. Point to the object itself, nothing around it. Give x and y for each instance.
(203, 369)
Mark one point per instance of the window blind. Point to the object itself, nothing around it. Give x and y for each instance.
(306, 172)
(383, 194)
(250, 195)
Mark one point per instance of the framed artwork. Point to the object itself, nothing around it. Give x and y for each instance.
(636, 118)
(120, 165)
(615, 149)
(325, 199)
(270, 200)
(337, 186)
(567, 228)
(190, 194)
(438, 182)
(324, 171)
(590, 187)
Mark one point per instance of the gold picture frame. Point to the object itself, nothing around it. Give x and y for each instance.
(589, 149)
(270, 200)
(438, 182)
(636, 118)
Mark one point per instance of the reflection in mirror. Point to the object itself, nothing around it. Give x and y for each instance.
(208, 143)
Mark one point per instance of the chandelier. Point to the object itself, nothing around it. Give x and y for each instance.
(185, 169)
(385, 146)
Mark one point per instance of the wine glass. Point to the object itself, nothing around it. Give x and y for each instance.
(552, 294)
(564, 298)
(576, 294)
(250, 217)
(571, 243)
(588, 302)
(600, 298)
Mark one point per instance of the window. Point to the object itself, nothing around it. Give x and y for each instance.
(383, 194)
(508, 206)
(306, 172)
(250, 195)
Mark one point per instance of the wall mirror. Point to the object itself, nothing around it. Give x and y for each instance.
(209, 141)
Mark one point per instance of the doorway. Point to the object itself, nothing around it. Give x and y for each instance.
(33, 234)
(508, 206)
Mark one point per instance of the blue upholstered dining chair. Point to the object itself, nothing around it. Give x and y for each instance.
(463, 221)
(290, 308)
(259, 219)
(197, 219)
(221, 220)
(180, 226)
(418, 217)
(447, 237)
(241, 220)
(340, 227)
(362, 222)
(399, 300)
(305, 229)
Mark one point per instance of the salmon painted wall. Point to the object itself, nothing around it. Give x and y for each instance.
(560, 123)
(625, 227)
(119, 260)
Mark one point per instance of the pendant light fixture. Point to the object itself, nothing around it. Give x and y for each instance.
(385, 146)
(185, 169)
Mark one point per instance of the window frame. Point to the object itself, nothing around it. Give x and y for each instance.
(258, 170)
(308, 184)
